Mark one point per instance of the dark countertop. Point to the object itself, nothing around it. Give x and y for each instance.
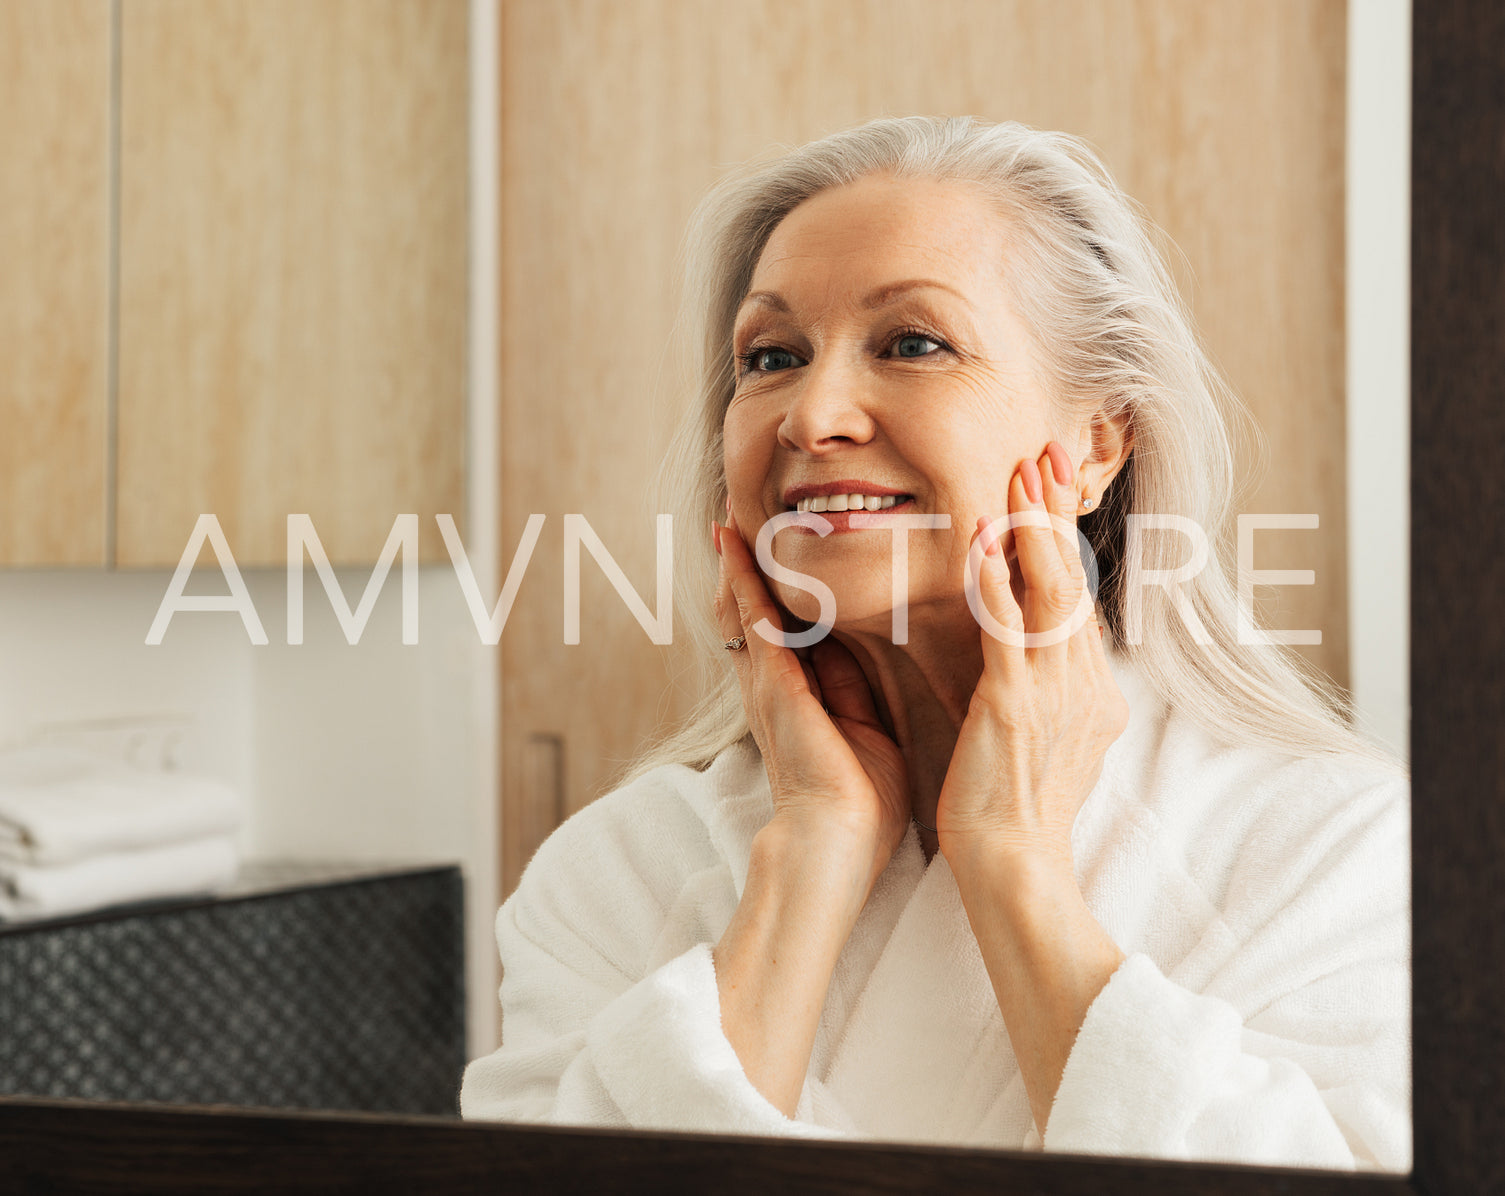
(257, 878)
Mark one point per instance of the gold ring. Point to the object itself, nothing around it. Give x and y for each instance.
(733, 644)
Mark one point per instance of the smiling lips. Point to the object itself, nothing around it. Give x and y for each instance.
(836, 499)
(842, 494)
(821, 503)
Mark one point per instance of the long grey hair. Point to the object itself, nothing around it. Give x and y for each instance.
(1094, 289)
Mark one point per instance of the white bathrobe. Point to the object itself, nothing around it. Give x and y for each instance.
(1262, 1014)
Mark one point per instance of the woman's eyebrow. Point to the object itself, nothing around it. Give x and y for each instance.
(884, 295)
(888, 292)
(765, 299)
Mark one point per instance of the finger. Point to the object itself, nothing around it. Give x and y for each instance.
(1095, 636)
(812, 680)
(1087, 647)
(1099, 687)
(770, 663)
(1049, 597)
(1090, 670)
(724, 606)
(758, 702)
(1001, 619)
(1061, 499)
(843, 684)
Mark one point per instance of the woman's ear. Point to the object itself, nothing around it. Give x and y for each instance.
(1112, 439)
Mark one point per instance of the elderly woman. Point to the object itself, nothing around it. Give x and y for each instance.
(950, 855)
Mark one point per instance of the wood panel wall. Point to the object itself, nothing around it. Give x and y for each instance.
(54, 280)
(1224, 120)
(292, 272)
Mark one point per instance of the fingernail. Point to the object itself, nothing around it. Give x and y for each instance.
(728, 502)
(990, 539)
(716, 536)
(1029, 473)
(1060, 462)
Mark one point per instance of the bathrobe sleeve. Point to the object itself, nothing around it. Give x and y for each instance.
(1294, 1049)
(610, 1011)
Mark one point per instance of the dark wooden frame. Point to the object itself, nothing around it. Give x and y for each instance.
(1458, 826)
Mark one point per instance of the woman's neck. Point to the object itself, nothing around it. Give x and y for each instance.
(922, 689)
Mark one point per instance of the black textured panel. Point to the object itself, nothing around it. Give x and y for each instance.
(345, 995)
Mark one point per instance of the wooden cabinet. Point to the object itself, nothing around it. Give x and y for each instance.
(286, 185)
(54, 280)
(293, 181)
(1225, 120)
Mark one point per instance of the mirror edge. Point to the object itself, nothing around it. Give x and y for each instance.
(81, 1146)
(1457, 550)
(1458, 375)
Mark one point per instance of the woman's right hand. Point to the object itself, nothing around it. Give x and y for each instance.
(832, 767)
(841, 806)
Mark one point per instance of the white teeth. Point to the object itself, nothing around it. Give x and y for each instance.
(848, 502)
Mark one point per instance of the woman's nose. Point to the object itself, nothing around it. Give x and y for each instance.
(827, 410)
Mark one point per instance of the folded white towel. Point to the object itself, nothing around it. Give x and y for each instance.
(60, 806)
(197, 866)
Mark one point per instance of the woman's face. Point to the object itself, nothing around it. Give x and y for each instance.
(879, 353)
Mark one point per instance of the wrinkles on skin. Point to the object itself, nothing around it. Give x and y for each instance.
(923, 696)
(858, 374)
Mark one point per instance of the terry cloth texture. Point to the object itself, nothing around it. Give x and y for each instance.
(1262, 1014)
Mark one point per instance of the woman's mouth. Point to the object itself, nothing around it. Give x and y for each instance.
(839, 509)
(835, 504)
(840, 500)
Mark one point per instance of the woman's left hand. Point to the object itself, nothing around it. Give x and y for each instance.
(1031, 746)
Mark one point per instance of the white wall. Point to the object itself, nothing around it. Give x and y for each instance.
(1379, 399)
(72, 647)
(381, 751)
(375, 752)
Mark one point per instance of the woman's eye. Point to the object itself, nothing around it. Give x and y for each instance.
(915, 344)
(768, 361)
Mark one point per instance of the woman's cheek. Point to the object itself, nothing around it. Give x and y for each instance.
(744, 461)
(802, 604)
